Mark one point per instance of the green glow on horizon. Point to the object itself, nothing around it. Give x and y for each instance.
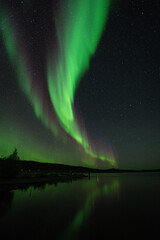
(30, 147)
(79, 27)
(15, 138)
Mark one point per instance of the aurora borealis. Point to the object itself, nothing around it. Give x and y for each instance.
(78, 80)
(73, 59)
(78, 40)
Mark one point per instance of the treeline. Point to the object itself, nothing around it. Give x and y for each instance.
(12, 166)
(8, 166)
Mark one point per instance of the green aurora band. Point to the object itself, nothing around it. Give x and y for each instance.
(79, 27)
(18, 60)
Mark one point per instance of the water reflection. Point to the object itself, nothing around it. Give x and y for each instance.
(54, 210)
(84, 213)
(6, 197)
(109, 206)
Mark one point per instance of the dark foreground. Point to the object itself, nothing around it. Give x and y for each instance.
(42, 180)
(21, 174)
(20, 168)
(104, 206)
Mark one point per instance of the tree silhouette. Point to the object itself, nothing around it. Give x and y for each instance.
(14, 155)
(9, 165)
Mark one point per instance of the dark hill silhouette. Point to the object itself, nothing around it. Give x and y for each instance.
(12, 166)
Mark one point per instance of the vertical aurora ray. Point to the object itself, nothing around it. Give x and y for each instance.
(79, 27)
(17, 56)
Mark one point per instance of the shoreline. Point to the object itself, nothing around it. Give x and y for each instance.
(24, 182)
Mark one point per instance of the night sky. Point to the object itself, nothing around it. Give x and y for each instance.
(115, 101)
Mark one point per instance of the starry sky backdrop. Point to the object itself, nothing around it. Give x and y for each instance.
(117, 98)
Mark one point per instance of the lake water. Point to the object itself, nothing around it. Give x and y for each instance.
(106, 206)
